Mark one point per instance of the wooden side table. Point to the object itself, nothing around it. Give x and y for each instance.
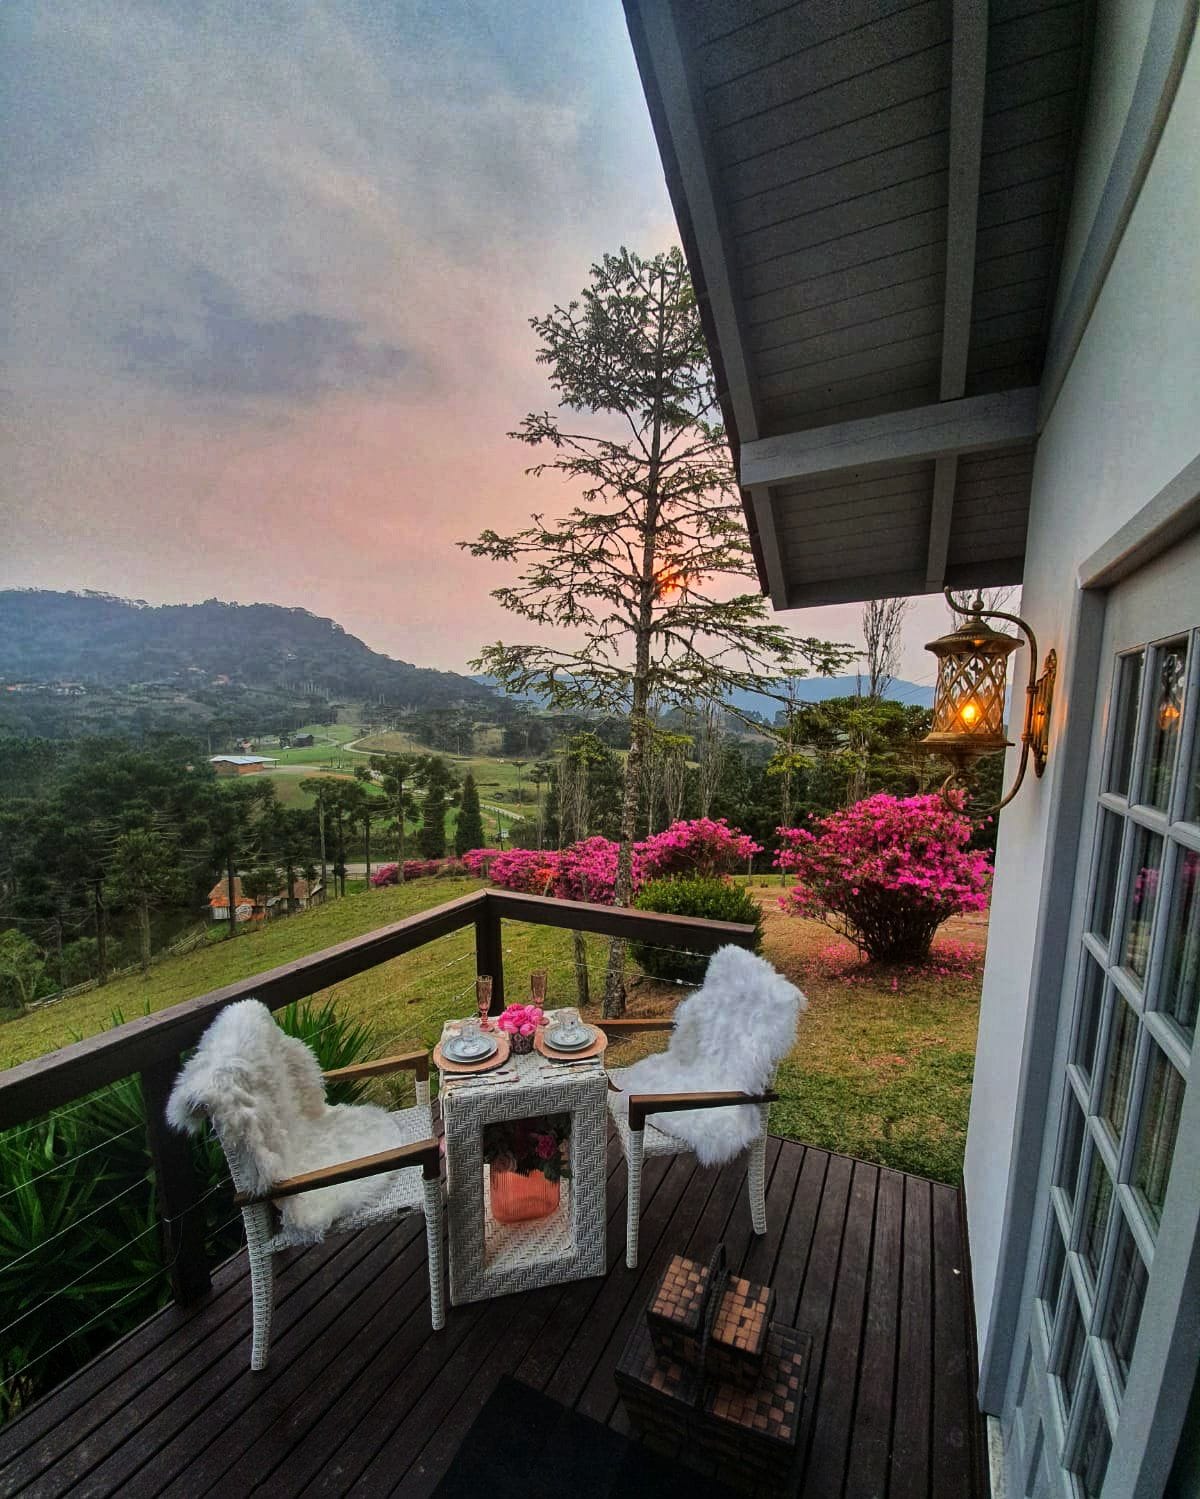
(488, 1258)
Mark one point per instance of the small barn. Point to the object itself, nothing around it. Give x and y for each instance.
(240, 765)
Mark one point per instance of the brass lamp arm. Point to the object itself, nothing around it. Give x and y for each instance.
(1039, 693)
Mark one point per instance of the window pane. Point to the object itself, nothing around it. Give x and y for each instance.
(1095, 1445)
(1118, 1069)
(1166, 721)
(1126, 1294)
(1071, 1359)
(1052, 1274)
(1108, 864)
(1160, 1125)
(1181, 973)
(1143, 901)
(1090, 996)
(1095, 1215)
(1067, 1175)
(1129, 681)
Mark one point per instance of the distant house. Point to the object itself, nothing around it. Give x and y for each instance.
(302, 741)
(240, 765)
(248, 910)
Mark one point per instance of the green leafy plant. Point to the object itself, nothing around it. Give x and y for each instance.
(692, 895)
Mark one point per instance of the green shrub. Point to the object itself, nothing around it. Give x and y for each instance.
(81, 1251)
(712, 897)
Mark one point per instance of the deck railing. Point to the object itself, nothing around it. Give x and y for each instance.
(153, 1046)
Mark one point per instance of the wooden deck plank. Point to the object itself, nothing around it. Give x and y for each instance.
(103, 1385)
(177, 1397)
(870, 1451)
(361, 1397)
(575, 1366)
(241, 1448)
(565, 1322)
(830, 1446)
(228, 1396)
(953, 1376)
(814, 1312)
(434, 1456)
(914, 1393)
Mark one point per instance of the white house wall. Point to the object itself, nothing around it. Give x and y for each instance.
(1126, 421)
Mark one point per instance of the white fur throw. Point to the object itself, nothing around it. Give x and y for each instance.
(730, 1035)
(265, 1095)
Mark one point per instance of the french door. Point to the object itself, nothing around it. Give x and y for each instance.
(1115, 1237)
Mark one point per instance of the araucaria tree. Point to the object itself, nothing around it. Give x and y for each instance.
(468, 833)
(644, 572)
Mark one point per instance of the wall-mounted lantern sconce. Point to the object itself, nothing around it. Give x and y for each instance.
(968, 707)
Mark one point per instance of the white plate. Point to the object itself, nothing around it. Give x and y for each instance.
(562, 1045)
(459, 1050)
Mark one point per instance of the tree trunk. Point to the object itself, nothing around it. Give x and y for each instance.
(400, 825)
(291, 888)
(579, 947)
(230, 879)
(324, 863)
(639, 723)
(101, 934)
(367, 845)
(144, 934)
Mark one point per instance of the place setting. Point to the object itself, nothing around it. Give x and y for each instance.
(567, 1042)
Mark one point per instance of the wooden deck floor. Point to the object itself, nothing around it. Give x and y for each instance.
(360, 1396)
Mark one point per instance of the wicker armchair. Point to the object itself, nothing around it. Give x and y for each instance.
(414, 1164)
(736, 1029)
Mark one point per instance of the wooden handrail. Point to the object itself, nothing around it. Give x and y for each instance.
(620, 921)
(35, 1087)
(642, 1105)
(411, 1061)
(423, 1153)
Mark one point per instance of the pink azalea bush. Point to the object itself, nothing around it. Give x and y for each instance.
(886, 872)
(588, 870)
(704, 846)
(477, 861)
(416, 869)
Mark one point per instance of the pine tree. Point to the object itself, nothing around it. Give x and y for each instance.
(643, 571)
(469, 832)
(439, 781)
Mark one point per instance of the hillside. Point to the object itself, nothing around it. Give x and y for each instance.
(202, 651)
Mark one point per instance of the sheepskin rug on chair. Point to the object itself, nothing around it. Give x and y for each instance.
(730, 1035)
(265, 1095)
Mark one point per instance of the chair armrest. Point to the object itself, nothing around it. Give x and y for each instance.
(423, 1153)
(643, 1104)
(415, 1061)
(632, 1027)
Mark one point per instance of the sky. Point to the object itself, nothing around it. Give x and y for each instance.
(270, 268)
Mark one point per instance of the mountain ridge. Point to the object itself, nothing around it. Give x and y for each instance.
(48, 636)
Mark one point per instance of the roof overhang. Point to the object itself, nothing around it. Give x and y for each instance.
(872, 200)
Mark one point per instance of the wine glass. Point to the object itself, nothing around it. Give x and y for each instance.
(483, 999)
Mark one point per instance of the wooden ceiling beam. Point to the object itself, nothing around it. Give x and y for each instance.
(968, 84)
(693, 156)
(975, 424)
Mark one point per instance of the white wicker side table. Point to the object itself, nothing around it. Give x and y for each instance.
(495, 1259)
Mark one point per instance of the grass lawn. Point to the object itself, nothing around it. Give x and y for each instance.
(881, 1069)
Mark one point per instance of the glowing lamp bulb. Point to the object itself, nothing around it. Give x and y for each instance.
(970, 714)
